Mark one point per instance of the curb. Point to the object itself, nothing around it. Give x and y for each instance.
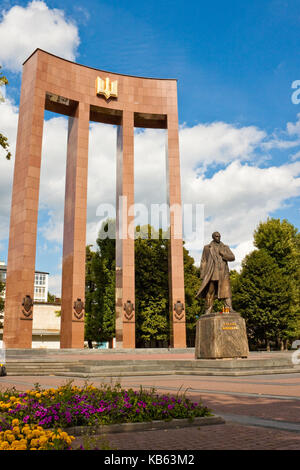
(147, 426)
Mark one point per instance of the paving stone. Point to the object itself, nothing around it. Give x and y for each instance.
(271, 397)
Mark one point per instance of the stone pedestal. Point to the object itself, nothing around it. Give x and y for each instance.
(221, 335)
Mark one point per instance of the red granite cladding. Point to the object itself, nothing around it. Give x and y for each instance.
(142, 102)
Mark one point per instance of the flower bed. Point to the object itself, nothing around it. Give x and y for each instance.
(70, 406)
(33, 437)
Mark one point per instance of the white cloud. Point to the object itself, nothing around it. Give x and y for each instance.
(54, 285)
(217, 143)
(296, 156)
(53, 166)
(294, 128)
(280, 144)
(284, 139)
(23, 29)
(150, 166)
(8, 126)
(240, 251)
(237, 198)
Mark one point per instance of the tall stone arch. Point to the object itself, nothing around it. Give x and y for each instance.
(86, 94)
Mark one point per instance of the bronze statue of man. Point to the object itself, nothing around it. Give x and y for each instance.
(214, 273)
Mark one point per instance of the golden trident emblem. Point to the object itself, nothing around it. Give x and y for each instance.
(106, 87)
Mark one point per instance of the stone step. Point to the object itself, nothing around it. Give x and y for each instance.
(136, 371)
(174, 372)
(136, 367)
(50, 352)
(38, 365)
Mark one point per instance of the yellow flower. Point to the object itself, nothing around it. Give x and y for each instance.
(16, 445)
(4, 446)
(10, 438)
(43, 440)
(34, 443)
(15, 422)
(26, 429)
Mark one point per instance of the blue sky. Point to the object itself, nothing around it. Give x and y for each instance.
(235, 63)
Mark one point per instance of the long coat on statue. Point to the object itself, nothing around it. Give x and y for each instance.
(207, 267)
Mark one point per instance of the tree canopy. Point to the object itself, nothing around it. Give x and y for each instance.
(260, 295)
(267, 290)
(100, 290)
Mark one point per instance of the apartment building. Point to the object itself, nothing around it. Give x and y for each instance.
(40, 283)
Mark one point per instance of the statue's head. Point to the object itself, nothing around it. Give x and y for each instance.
(216, 237)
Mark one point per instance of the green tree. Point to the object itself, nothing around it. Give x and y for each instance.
(51, 297)
(89, 318)
(151, 286)
(281, 240)
(100, 289)
(193, 307)
(260, 295)
(3, 140)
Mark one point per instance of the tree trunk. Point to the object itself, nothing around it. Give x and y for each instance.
(268, 345)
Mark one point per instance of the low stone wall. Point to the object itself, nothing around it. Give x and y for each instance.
(146, 426)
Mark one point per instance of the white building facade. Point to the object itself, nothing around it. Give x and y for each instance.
(41, 280)
(46, 318)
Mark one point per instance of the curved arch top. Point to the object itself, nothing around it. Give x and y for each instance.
(94, 68)
(76, 82)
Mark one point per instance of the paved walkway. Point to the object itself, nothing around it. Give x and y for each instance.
(261, 412)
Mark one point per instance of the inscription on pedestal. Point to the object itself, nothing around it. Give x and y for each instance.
(230, 326)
